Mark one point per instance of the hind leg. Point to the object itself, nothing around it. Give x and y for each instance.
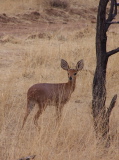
(30, 105)
(39, 112)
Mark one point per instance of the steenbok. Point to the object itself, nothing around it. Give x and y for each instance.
(58, 94)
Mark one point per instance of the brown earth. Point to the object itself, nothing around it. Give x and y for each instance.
(49, 20)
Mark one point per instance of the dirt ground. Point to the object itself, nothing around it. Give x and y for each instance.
(48, 21)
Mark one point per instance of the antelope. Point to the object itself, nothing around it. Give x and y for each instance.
(58, 94)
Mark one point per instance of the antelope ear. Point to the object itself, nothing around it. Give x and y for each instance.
(80, 65)
(64, 64)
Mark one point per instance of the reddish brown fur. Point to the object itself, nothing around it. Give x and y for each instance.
(45, 94)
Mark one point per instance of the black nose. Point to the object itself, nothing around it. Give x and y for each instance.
(70, 78)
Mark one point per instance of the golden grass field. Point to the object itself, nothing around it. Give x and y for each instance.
(27, 58)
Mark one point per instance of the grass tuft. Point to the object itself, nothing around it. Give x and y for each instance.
(60, 3)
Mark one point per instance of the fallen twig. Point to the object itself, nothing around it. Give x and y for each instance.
(28, 158)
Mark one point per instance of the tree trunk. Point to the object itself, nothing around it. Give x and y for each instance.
(100, 114)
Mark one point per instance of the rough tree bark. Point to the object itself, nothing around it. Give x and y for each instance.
(101, 115)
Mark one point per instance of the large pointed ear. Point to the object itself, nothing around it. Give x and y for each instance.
(64, 64)
(80, 65)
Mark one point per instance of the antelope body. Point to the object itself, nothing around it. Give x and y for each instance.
(58, 94)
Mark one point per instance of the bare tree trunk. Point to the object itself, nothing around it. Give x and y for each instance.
(100, 114)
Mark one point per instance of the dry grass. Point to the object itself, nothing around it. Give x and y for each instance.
(25, 61)
(38, 63)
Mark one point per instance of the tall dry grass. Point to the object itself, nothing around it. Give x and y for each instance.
(38, 60)
(25, 61)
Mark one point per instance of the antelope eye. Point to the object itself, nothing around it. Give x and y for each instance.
(75, 73)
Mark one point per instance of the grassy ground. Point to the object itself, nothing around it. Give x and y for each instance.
(27, 60)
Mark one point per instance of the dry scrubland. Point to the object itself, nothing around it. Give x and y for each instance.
(27, 60)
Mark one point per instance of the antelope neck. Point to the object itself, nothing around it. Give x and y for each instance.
(71, 84)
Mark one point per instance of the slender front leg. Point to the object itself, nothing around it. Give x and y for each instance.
(58, 114)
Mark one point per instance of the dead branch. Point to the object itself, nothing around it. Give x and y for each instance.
(112, 104)
(112, 13)
(112, 52)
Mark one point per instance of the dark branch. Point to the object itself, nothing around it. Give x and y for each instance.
(112, 104)
(113, 22)
(115, 1)
(112, 52)
(112, 13)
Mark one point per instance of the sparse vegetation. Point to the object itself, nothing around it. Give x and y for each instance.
(33, 55)
(60, 3)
